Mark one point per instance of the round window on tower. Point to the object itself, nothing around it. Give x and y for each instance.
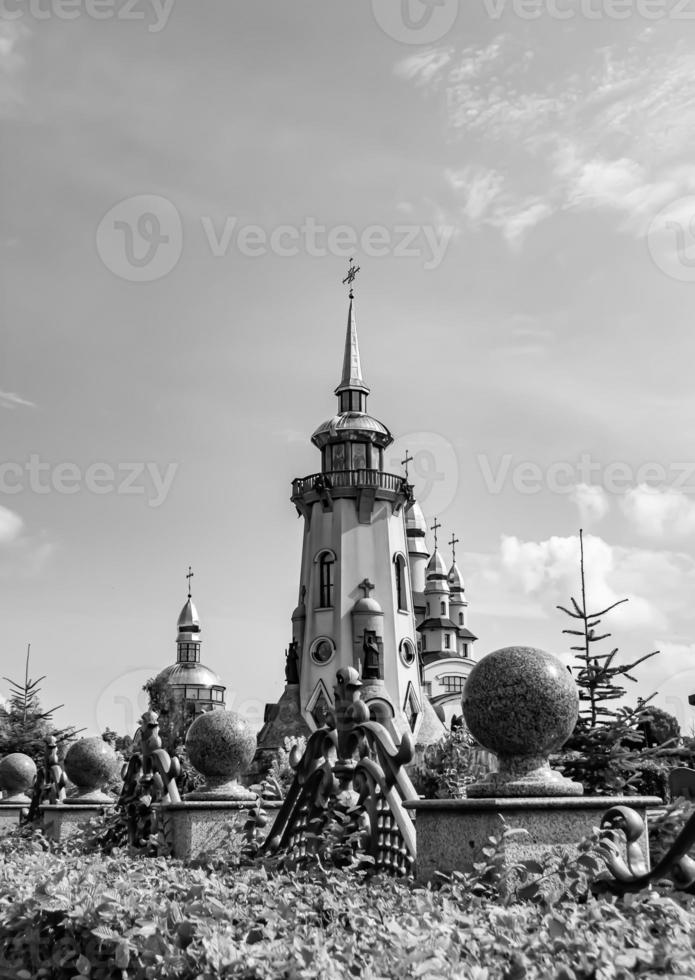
(407, 653)
(322, 651)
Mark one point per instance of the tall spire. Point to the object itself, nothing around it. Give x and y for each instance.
(352, 379)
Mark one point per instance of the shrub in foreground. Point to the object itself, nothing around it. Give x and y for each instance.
(69, 916)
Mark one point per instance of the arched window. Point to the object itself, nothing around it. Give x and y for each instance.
(424, 641)
(326, 579)
(427, 610)
(447, 640)
(442, 606)
(461, 623)
(401, 590)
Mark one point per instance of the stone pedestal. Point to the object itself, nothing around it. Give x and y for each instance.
(10, 815)
(452, 833)
(60, 820)
(196, 827)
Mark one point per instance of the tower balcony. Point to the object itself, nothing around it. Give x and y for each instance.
(363, 484)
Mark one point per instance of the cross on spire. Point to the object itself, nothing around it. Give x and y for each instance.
(350, 277)
(453, 542)
(367, 587)
(435, 527)
(189, 577)
(408, 459)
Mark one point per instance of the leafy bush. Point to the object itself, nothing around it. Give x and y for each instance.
(63, 916)
(449, 766)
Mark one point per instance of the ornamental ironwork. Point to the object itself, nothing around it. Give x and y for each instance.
(346, 800)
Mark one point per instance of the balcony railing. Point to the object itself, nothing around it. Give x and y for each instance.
(341, 479)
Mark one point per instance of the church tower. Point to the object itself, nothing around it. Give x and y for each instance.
(355, 594)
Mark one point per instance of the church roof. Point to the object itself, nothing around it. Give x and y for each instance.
(351, 379)
(414, 519)
(351, 422)
(190, 674)
(437, 622)
(456, 578)
(189, 620)
(436, 567)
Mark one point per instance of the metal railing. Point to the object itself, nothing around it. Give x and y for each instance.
(340, 479)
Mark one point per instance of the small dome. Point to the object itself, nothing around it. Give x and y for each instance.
(367, 606)
(415, 519)
(351, 422)
(189, 620)
(190, 674)
(436, 567)
(456, 578)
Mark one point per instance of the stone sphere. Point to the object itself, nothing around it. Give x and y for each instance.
(17, 773)
(220, 744)
(91, 763)
(520, 701)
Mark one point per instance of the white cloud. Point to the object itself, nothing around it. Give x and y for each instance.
(9, 400)
(570, 139)
(548, 571)
(10, 526)
(659, 512)
(592, 502)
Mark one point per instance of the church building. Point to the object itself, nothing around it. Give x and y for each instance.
(370, 595)
(186, 689)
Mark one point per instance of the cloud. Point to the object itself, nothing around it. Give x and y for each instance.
(659, 512)
(592, 503)
(9, 400)
(11, 63)
(565, 137)
(548, 571)
(11, 525)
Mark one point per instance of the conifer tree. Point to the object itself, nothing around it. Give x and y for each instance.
(603, 747)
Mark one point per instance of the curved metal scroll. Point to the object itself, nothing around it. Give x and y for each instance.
(634, 874)
(349, 785)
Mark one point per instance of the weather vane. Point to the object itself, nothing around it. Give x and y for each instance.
(435, 527)
(189, 577)
(453, 542)
(351, 276)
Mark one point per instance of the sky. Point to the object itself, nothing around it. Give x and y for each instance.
(184, 185)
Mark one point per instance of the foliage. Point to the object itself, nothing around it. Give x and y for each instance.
(278, 779)
(24, 725)
(666, 826)
(119, 743)
(64, 915)
(604, 751)
(659, 727)
(449, 766)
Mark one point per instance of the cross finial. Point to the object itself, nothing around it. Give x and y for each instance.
(350, 277)
(453, 542)
(435, 527)
(367, 587)
(408, 459)
(189, 577)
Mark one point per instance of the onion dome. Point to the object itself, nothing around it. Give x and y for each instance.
(415, 523)
(456, 579)
(367, 606)
(352, 423)
(436, 569)
(189, 620)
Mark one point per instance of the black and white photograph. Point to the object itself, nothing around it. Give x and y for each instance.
(347, 489)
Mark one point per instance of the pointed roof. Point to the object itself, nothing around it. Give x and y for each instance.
(189, 621)
(352, 379)
(436, 569)
(456, 579)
